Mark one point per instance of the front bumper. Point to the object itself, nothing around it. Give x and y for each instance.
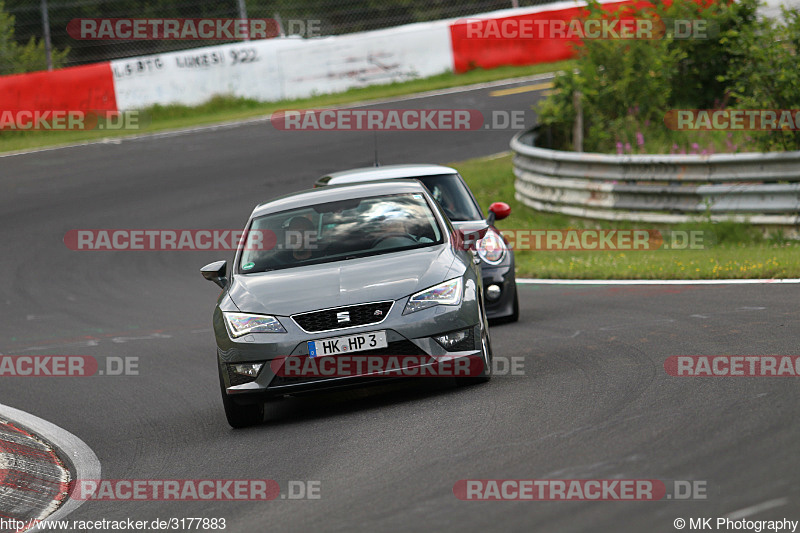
(407, 335)
(503, 277)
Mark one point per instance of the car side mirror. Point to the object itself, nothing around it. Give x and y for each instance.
(468, 235)
(498, 211)
(216, 272)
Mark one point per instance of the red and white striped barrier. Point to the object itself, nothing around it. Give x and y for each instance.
(496, 39)
(288, 68)
(74, 88)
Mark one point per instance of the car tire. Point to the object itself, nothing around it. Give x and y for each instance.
(240, 416)
(486, 354)
(514, 316)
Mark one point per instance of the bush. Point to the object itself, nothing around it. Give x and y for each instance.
(618, 80)
(764, 74)
(627, 86)
(698, 82)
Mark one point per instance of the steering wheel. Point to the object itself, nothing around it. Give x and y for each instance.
(382, 238)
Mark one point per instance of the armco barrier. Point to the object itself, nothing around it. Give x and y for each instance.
(760, 188)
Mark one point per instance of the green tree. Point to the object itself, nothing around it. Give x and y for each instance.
(16, 58)
(627, 85)
(764, 74)
(620, 80)
(7, 43)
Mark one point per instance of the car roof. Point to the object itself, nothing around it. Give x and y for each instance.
(342, 192)
(358, 175)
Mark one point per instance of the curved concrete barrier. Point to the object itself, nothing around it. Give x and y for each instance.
(37, 462)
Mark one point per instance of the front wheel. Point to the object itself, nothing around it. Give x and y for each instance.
(240, 416)
(515, 310)
(486, 355)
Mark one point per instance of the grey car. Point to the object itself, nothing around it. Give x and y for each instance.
(460, 206)
(375, 270)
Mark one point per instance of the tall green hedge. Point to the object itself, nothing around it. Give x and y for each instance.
(628, 85)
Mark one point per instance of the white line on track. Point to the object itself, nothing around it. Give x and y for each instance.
(83, 459)
(533, 281)
(758, 508)
(492, 157)
(266, 118)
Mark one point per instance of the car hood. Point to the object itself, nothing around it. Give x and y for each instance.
(384, 277)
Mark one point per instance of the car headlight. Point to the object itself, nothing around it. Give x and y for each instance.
(492, 248)
(242, 323)
(447, 293)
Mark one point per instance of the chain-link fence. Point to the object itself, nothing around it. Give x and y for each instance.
(327, 17)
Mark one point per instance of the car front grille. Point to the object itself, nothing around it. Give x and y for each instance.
(328, 319)
(397, 348)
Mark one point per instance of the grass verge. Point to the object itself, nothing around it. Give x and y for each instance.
(224, 109)
(737, 251)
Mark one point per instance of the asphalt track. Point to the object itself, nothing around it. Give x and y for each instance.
(594, 401)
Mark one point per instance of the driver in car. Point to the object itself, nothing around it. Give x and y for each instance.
(396, 231)
(300, 236)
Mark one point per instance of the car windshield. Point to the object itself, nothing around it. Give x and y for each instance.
(341, 230)
(454, 197)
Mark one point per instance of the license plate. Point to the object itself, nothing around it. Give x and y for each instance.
(347, 344)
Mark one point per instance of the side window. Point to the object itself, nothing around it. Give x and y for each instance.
(448, 193)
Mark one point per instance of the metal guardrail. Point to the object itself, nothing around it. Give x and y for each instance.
(759, 188)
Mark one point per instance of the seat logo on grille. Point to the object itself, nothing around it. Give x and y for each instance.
(378, 312)
(344, 316)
